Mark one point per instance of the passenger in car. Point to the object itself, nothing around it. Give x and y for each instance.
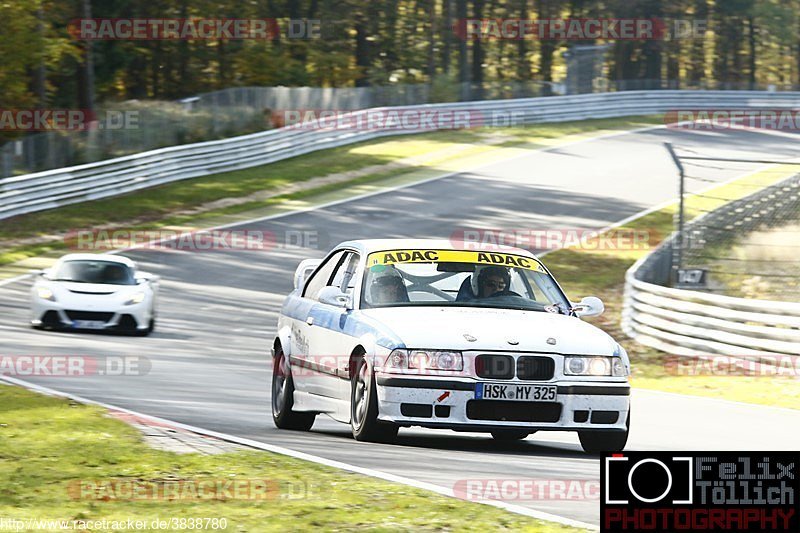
(388, 289)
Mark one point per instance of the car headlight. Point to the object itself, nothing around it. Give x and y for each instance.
(594, 366)
(135, 299)
(425, 360)
(45, 294)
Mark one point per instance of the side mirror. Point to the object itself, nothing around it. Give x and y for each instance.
(333, 296)
(40, 273)
(589, 306)
(144, 277)
(303, 270)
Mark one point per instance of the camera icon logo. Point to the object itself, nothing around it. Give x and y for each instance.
(648, 480)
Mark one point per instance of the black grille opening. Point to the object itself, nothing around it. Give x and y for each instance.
(580, 416)
(51, 319)
(126, 322)
(89, 315)
(539, 368)
(513, 411)
(442, 411)
(416, 410)
(605, 417)
(494, 366)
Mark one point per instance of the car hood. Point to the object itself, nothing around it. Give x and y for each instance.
(493, 329)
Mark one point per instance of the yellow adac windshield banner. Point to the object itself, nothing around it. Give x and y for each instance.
(390, 257)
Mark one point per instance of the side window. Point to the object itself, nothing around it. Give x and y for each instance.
(345, 276)
(323, 274)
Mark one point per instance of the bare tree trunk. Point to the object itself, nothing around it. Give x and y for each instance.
(447, 35)
(523, 63)
(478, 53)
(697, 56)
(432, 40)
(361, 52)
(40, 74)
(86, 78)
(751, 38)
(463, 66)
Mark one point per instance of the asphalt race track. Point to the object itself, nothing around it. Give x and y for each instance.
(218, 311)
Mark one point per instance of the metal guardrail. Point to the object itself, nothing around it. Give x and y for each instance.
(54, 188)
(687, 322)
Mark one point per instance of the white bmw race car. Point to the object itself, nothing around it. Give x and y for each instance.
(95, 292)
(383, 334)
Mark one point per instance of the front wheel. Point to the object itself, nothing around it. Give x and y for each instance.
(364, 408)
(605, 441)
(283, 398)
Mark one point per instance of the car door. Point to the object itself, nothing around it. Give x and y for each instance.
(306, 373)
(329, 341)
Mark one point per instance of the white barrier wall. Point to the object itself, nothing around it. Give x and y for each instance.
(64, 186)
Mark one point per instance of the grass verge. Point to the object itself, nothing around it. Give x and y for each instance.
(586, 271)
(49, 446)
(166, 205)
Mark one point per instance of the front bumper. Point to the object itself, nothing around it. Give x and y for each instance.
(51, 315)
(451, 404)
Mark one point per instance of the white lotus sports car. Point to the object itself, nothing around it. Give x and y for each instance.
(95, 292)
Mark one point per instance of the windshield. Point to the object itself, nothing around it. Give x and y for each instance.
(105, 272)
(456, 278)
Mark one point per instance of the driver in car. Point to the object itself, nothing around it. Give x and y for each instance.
(492, 280)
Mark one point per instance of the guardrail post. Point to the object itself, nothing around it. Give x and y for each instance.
(677, 248)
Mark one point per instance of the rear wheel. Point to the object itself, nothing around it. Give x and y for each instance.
(364, 407)
(283, 398)
(605, 441)
(508, 435)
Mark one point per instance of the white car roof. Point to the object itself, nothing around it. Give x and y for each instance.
(98, 257)
(368, 246)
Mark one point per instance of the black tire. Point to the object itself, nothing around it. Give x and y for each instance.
(283, 398)
(364, 407)
(605, 441)
(509, 435)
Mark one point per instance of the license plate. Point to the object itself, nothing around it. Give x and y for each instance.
(514, 392)
(88, 324)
